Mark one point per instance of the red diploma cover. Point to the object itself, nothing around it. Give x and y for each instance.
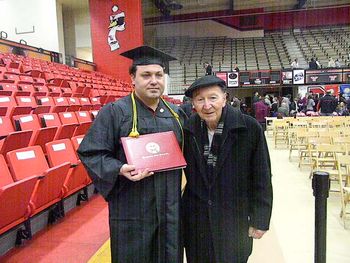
(155, 151)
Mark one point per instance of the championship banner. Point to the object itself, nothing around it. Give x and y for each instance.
(345, 90)
(322, 89)
(323, 76)
(298, 76)
(116, 26)
(232, 79)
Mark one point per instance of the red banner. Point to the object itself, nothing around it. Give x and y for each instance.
(116, 26)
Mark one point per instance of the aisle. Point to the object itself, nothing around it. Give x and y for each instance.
(72, 240)
(293, 215)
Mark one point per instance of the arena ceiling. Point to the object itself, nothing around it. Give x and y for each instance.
(195, 6)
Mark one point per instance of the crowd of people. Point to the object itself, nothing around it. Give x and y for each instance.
(315, 64)
(311, 104)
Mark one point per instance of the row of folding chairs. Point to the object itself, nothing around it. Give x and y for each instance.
(32, 129)
(30, 183)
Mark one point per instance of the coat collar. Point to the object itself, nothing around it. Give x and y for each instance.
(234, 121)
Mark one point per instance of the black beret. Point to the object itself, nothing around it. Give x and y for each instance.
(206, 81)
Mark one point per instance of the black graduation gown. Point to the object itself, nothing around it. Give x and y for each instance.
(143, 216)
(218, 211)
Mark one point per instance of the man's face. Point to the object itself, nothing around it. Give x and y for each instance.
(208, 102)
(148, 81)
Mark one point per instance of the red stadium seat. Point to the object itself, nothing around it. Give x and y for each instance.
(74, 104)
(10, 139)
(52, 120)
(83, 116)
(31, 161)
(14, 198)
(8, 107)
(85, 104)
(40, 135)
(62, 151)
(28, 101)
(96, 104)
(8, 88)
(62, 102)
(76, 140)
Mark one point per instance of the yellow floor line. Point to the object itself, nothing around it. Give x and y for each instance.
(103, 255)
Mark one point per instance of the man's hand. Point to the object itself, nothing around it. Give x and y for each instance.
(127, 169)
(255, 233)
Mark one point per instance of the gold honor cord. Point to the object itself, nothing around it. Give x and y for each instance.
(134, 132)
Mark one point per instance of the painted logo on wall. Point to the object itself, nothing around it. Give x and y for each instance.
(117, 24)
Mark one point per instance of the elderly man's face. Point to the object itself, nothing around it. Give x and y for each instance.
(149, 82)
(208, 102)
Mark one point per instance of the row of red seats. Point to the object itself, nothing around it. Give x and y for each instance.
(57, 74)
(40, 87)
(16, 105)
(32, 129)
(30, 183)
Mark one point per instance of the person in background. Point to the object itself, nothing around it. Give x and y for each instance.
(283, 110)
(293, 108)
(186, 106)
(327, 104)
(144, 209)
(227, 201)
(295, 64)
(342, 109)
(312, 64)
(318, 63)
(331, 63)
(256, 97)
(235, 68)
(267, 100)
(208, 68)
(274, 106)
(261, 110)
(310, 103)
(337, 63)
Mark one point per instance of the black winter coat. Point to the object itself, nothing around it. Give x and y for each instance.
(217, 215)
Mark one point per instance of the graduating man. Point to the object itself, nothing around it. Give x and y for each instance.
(144, 214)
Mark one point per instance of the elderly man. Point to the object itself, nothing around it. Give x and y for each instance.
(228, 197)
(144, 208)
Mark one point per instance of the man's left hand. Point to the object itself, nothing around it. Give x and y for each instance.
(255, 233)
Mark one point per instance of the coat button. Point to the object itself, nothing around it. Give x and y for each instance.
(210, 202)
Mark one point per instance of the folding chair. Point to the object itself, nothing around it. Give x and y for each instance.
(85, 104)
(74, 104)
(28, 101)
(14, 198)
(62, 102)
(40, 136)
(9, 107)
(10, 139)
(61, 151)
(30, 161)
(64, 131)
(343, 163)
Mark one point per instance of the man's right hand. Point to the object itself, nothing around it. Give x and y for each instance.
(127, 169)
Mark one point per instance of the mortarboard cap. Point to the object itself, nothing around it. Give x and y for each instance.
(206, 81)
(146, 55)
